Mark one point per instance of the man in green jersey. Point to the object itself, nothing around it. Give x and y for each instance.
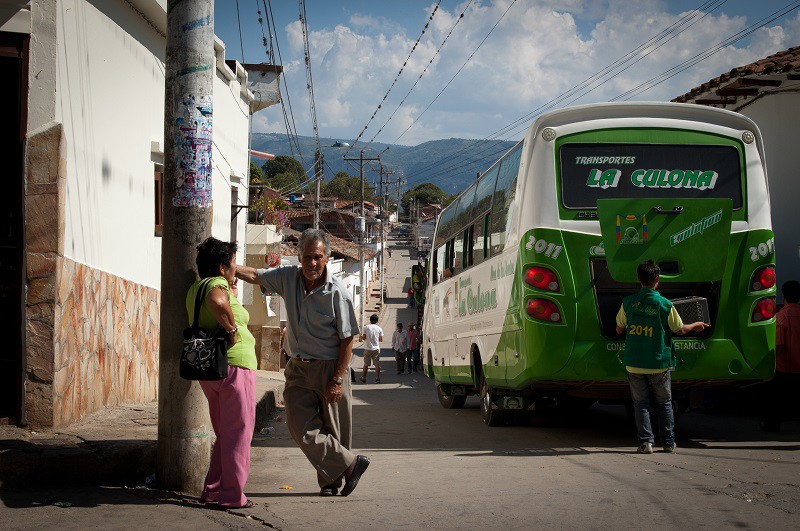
(648, 321)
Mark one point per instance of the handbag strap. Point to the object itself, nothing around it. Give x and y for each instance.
(198, 300)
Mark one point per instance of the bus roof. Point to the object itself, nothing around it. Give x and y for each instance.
(644, 109)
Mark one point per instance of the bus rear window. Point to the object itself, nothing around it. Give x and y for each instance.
(592, 171)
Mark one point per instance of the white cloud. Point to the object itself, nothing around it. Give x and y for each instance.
(538, 51)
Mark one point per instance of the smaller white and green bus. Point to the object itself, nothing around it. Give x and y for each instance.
(530, 264)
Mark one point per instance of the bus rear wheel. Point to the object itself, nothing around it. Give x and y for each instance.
(492, 417)
(450, 401)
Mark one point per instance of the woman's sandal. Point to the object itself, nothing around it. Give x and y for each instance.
(363, 380)
(248, 504)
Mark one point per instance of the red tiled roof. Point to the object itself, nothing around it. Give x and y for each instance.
(785, 62)
(339, 246)
(299, 212)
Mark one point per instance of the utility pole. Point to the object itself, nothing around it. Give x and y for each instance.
(383, 250)
(382, 200)
(318, 164)
(398, 199)
(362, 233)
(184, 430)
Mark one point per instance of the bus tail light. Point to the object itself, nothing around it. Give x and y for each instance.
(764, 278)
(543, 310)
(542, 278)
(765, 309)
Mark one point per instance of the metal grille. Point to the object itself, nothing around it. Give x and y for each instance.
(692, 309)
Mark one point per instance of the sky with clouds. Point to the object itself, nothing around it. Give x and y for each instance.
(538, 51)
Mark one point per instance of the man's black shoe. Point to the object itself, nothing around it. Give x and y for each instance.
(362, 462)
(328, 491)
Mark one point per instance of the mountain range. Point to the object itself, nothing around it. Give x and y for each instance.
(450, 164)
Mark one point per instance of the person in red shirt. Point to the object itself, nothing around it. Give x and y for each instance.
(413, 348)
(787, 358)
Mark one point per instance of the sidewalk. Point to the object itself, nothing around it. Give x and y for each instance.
(116, 445)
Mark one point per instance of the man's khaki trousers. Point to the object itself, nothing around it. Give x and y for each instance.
(323, 431)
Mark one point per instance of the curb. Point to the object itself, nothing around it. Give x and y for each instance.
(74, 458)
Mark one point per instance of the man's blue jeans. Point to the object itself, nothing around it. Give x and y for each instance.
(660, 385)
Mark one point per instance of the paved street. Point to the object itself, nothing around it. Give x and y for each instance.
(444, 469)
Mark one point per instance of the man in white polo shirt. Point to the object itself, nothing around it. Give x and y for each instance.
(372, 337)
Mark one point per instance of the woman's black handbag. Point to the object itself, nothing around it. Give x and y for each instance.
(205, 352)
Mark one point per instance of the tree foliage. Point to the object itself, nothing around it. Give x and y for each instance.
(283, 172)
(347, 187)
(425, 194)
(256, 175)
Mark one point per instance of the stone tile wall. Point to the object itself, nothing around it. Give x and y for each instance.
(105, 342)
(45, 161)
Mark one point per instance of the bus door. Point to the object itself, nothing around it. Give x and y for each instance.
(687, 237)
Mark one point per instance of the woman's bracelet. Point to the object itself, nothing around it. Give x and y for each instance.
(231, 332)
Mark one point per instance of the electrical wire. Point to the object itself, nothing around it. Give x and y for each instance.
(430, 62)
(709, 52)
(309, 77)
(610, 71)
(239, 22)
(454, 76)
(405, 63)
(702, 56)
(290, 118)
(268, 48)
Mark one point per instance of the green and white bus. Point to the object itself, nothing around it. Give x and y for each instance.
(530, 264)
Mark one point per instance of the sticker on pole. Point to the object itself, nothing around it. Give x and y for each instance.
(192, 152)
(272, 259)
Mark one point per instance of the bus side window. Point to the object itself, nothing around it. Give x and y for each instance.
(480, 239)
(439, 261)
(469, 241)
(503, 210)
(458, 252)
(450, 256)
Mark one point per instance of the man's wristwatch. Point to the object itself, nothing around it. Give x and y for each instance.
(337, 380)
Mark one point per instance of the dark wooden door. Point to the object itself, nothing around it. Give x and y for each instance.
(13, 118)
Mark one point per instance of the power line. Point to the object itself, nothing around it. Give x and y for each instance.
(454, 75)
(607, 71)
(424, 29)
(239, 22)
(436, 54)
(647, 85)
(290, 118)
(309, 78)
(270, 51)
(702, 56)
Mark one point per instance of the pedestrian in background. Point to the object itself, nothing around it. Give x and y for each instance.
(231, 401)
(400, 347)
(413, 348)
(372, 336)
(320, 328)
(783, 390)
(411, 297)
(647, 318)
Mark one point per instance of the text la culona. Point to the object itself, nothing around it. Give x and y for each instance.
(699, 179)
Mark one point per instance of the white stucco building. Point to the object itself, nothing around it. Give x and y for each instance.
(90, 78)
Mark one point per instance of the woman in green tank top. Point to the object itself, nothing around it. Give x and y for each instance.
(231, 401)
